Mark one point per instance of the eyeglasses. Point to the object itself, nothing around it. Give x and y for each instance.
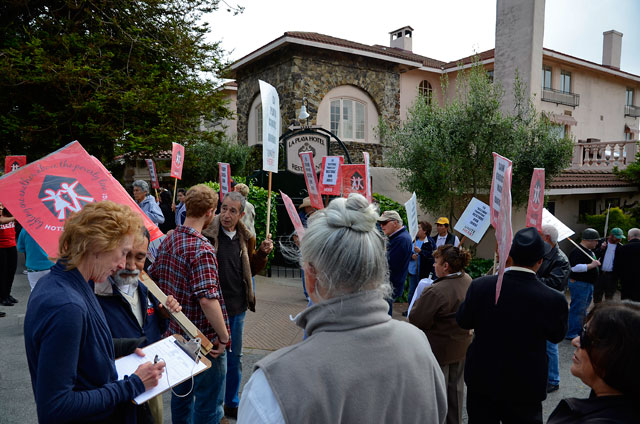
(585, 340)
(383, 223)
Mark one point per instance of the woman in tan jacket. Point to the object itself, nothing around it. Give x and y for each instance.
(435, 314)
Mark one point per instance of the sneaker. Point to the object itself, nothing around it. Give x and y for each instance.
(552, 387)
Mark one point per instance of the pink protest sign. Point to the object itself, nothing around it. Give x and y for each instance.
(153, 176)
(536, 199)
(310, 179)
(504, 232)
(177, 160)
(500, 165)
(293, 215)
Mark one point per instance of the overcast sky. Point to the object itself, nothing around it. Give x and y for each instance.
(442, 30)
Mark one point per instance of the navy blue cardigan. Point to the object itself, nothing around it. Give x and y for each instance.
(123, 323)
(70, 354)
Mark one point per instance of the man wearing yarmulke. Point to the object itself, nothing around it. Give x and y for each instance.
(506, 364)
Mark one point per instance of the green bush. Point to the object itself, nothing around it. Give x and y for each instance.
(201, 160)
(479, 267)
(617, 218)
(387, 204)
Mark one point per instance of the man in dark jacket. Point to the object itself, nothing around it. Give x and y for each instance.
(506, 364)
(554, 272)
(132, 312)
(399, 251)
(626, 266)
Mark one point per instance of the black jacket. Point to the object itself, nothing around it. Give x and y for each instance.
(555, 269)
(626, 266)
(605, 409)
(507, 359)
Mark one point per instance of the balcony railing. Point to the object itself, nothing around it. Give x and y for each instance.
(630, 110)
(560, 97)
(604, 155)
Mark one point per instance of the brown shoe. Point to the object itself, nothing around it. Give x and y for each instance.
(231, 412)
(224, 420)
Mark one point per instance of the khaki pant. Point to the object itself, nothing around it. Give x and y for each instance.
(155, 405)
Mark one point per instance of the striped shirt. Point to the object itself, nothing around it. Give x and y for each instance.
(186, 267)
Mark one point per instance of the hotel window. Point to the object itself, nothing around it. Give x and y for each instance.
(348, 119)
(565, 81)
(546, 77)
(425, 90)
(629, 97)
(258, 114)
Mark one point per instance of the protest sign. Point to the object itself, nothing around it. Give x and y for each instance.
(504, 232)
(549, 219)
(331, 175)
(293, 215)
(310, 179)
(153, 176)
(270, 126)
(412, 215)
(177, 160)
(11, 163)
(474, 221)
(42, 194)
(536, 199)
(500, 165)
(368, 178)
(353, 179)
(224, 178)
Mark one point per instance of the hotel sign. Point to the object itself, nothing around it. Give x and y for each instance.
(308, 141)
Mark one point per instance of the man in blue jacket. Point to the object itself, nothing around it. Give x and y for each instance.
(131, 311)
(399, 250)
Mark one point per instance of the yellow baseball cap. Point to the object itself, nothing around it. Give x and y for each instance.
(443, 220)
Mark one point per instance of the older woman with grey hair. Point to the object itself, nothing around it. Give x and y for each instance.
(357, 364)
(146, 202)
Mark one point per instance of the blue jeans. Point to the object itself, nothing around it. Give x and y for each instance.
(554, 366)
(413, 285)
(234, 361)
(581, 295)
(208, 391)
(304, 287)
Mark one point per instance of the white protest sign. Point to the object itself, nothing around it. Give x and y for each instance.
(500, 165)
(368, 176)
(474, 222)
(563, 230)
(412, 216)
(270, 126)
(224, 178)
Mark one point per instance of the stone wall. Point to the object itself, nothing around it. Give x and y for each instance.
(298, 72)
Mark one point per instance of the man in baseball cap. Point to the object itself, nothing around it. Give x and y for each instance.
(398, 251)
(444, 236)
(607, 281)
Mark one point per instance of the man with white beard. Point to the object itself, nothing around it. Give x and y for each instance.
(133, 312)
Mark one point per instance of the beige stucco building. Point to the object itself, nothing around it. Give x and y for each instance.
(350, 86)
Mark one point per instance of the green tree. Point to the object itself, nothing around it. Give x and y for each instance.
(201, 160)
(117, 75)
(445, 151)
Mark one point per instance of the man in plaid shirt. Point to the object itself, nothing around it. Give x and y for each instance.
(186, 267)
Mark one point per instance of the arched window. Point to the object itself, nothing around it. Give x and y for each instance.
(350, 113)
(348, 120)
(425, 90)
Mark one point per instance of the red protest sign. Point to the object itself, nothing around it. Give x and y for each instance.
(153, 176)
(293, 215)
(42, 194)
(11, 163)
(500, 165)
(536, 199)
(331, 175)
(177, 160)
(310, 179)
(354, 179)
(224, 178)
(504, 232)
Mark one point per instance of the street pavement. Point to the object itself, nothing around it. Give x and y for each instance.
(270, 328)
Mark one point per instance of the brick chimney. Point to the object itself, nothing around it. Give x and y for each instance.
(611, 48)
(401, 38)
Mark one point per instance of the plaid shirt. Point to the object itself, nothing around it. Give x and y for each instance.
(186, 267)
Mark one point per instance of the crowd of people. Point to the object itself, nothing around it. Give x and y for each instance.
(356, 363)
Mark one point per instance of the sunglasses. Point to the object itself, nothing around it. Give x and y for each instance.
(585, 340)
(383, 223)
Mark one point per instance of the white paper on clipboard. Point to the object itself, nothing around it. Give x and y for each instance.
(179, 366)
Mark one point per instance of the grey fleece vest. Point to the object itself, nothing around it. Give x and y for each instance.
(357, 366)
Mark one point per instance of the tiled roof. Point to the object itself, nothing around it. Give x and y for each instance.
(489, 54)
(578, 178)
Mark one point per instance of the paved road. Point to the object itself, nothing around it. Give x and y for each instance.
(268, 329)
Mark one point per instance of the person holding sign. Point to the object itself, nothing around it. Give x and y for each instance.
(70, 350)
(238, 261)
(186, 267)
(444, 236)
(435, 314)
(398, 251)
(372, 369)
(506, 363)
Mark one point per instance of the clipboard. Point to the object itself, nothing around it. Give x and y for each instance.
(179, 365)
